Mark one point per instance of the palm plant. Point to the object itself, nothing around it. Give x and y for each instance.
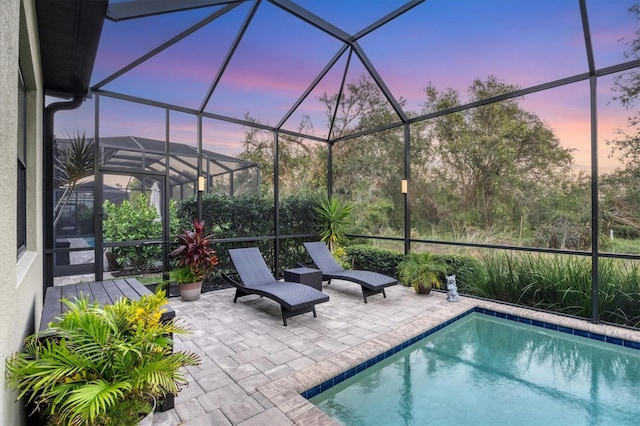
(333, 219)
(422, 271)
(96, 363)
(73, 163)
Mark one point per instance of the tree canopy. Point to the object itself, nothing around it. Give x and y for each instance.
(493, 159)
(498, 168)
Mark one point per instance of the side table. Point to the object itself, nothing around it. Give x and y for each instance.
(307, 276)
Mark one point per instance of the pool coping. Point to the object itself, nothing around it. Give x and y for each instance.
(289, 394)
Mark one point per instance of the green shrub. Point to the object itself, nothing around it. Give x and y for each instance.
(625, 231)
(132, 221)
(469, 271)
(251, 215)
(375, 259)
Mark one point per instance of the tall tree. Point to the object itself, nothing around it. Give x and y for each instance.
(620, 201)
(492, 158)
(626, 89)
(301, 164)
(367, 169)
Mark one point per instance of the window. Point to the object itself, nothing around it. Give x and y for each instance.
(21, 186)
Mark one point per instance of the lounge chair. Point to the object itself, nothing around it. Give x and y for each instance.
(371, 282)
(256, 278)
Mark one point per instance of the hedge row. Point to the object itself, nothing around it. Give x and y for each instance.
(251, 215)
(469, 271)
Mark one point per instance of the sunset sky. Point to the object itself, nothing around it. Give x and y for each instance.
(443, 42)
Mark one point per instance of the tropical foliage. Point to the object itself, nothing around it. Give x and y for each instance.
(133, 221)
(193, 255)
(250, 215)
(73, 162)
(333, 220)
(97, 362)
(422, 271)
(563, 284)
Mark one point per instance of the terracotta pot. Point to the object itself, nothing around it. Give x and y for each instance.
(112, 261)
(190, 291)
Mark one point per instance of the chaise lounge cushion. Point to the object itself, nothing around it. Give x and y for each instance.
(256, 278)
(371, 282)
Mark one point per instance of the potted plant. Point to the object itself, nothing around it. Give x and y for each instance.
(194, 260)
(422, 271)
(101, 365)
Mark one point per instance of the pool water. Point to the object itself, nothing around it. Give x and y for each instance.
(484, 370)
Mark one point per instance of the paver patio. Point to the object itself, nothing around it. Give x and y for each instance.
(253, 368)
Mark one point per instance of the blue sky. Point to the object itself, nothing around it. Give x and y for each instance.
(443, 42)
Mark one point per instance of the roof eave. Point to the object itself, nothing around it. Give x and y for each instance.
(69, 33)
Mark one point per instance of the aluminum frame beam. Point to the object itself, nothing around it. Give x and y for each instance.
(141, 9)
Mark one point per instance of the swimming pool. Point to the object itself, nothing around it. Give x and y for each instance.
(486, 370)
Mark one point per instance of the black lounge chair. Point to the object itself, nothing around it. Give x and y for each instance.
(256, 278)
(371, 282)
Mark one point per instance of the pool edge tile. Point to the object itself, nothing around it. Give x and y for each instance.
(482, 311)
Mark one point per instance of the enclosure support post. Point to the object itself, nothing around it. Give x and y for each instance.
(405, 195)
(276, 203)
(199, 168)
(595, 306)
(595, 231)
(330, 169)
(166, 220)
(98, 197)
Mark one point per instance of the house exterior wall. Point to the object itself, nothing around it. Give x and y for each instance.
(21, 278)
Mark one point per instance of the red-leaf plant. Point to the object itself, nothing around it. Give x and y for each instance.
(194, 253)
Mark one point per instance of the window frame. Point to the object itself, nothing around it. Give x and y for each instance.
(21, 179)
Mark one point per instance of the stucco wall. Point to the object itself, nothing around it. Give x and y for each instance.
(21, 279)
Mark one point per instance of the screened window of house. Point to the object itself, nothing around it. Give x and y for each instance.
(21, 186)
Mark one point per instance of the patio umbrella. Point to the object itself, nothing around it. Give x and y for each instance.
(154, 200)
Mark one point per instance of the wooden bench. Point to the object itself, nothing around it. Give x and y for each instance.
(105, 293)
